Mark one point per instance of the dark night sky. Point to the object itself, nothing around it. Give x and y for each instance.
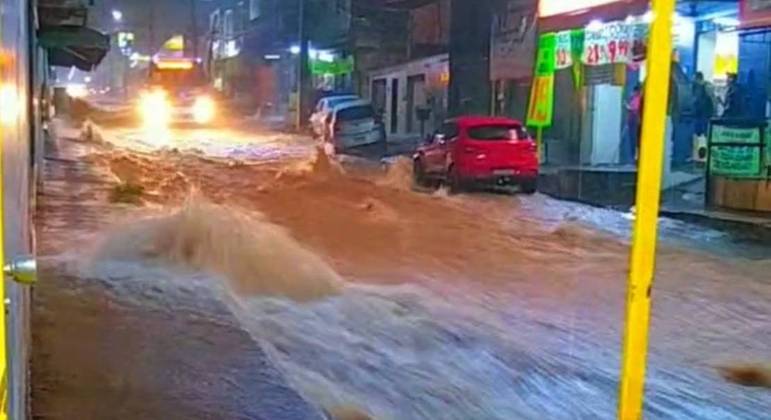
(170, 17)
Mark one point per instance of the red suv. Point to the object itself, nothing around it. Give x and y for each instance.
(478, 150)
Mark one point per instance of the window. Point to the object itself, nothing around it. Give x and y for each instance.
(331, 103)
(498, 132)
(255, 9)
(228, 29)
(449, 130)
(214, 22)
(356, 113)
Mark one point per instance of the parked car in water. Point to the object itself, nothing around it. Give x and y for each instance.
(353, 124)
(324, 107)
(471, 151)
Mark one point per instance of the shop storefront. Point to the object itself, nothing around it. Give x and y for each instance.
(585, 103)
(739, 149)
(584, 106)
(590, 57)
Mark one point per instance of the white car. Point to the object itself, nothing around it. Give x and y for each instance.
(324, 108)
(353, 124)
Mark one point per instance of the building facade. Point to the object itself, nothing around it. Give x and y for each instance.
(253, 51)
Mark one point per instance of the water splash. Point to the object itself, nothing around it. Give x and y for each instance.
(254, 255)
(398, 175)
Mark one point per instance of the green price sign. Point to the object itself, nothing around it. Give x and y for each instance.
(735, 161)
(722, 134)
(540, 109)
(547, 55)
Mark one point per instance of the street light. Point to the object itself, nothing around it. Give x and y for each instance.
(117, 15)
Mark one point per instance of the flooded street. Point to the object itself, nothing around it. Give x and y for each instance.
(363, 292)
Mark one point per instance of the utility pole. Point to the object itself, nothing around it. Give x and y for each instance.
(151, 29)
(469, 91)
(303, 76)
(194, 26)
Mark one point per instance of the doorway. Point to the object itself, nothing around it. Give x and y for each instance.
(379, 95)
(394, 105)
(416, 97)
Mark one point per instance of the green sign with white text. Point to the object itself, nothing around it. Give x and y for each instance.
(722, 134)
(735, 161)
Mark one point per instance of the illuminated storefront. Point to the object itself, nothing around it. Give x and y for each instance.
(603, 43)
(590, 56)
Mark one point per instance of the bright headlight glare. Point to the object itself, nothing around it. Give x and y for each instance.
(155, 109)
(203, 110)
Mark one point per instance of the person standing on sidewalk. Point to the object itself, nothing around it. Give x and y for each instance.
(631, 138)
(703, 104)
(732, 105)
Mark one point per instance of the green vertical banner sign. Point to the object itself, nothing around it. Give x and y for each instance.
(577, 37)
(541, 109)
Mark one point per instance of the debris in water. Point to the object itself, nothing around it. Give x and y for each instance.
(127, 193)
(747, 375)
(255, 256)
(348, 413)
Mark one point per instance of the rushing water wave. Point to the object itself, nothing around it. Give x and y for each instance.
(420, 306)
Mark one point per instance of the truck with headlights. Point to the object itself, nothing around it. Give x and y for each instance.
(176, 93)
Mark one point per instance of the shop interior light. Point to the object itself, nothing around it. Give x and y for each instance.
(726, 21)
(326, 56)
(594, 25)
(294, 49)
(548, 8)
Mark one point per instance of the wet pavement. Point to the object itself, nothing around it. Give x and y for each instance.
(363, 292)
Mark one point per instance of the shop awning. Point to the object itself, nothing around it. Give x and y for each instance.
(607, 11)
(77, 46)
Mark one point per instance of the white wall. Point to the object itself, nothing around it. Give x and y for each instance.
(432, 67)
(705, 61)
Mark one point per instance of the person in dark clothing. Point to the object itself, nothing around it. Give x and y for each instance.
(631, 138)
(732, 105)
(703, 105)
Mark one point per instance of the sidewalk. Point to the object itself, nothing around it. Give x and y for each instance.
(686, 202)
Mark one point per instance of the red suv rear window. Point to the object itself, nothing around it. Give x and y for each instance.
(498, 132)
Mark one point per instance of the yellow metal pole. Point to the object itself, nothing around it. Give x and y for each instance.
(643, 256)
(3, 356)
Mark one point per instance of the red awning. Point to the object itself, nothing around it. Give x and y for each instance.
(617, 10)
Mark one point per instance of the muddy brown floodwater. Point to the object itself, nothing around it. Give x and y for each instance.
(417, 305)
